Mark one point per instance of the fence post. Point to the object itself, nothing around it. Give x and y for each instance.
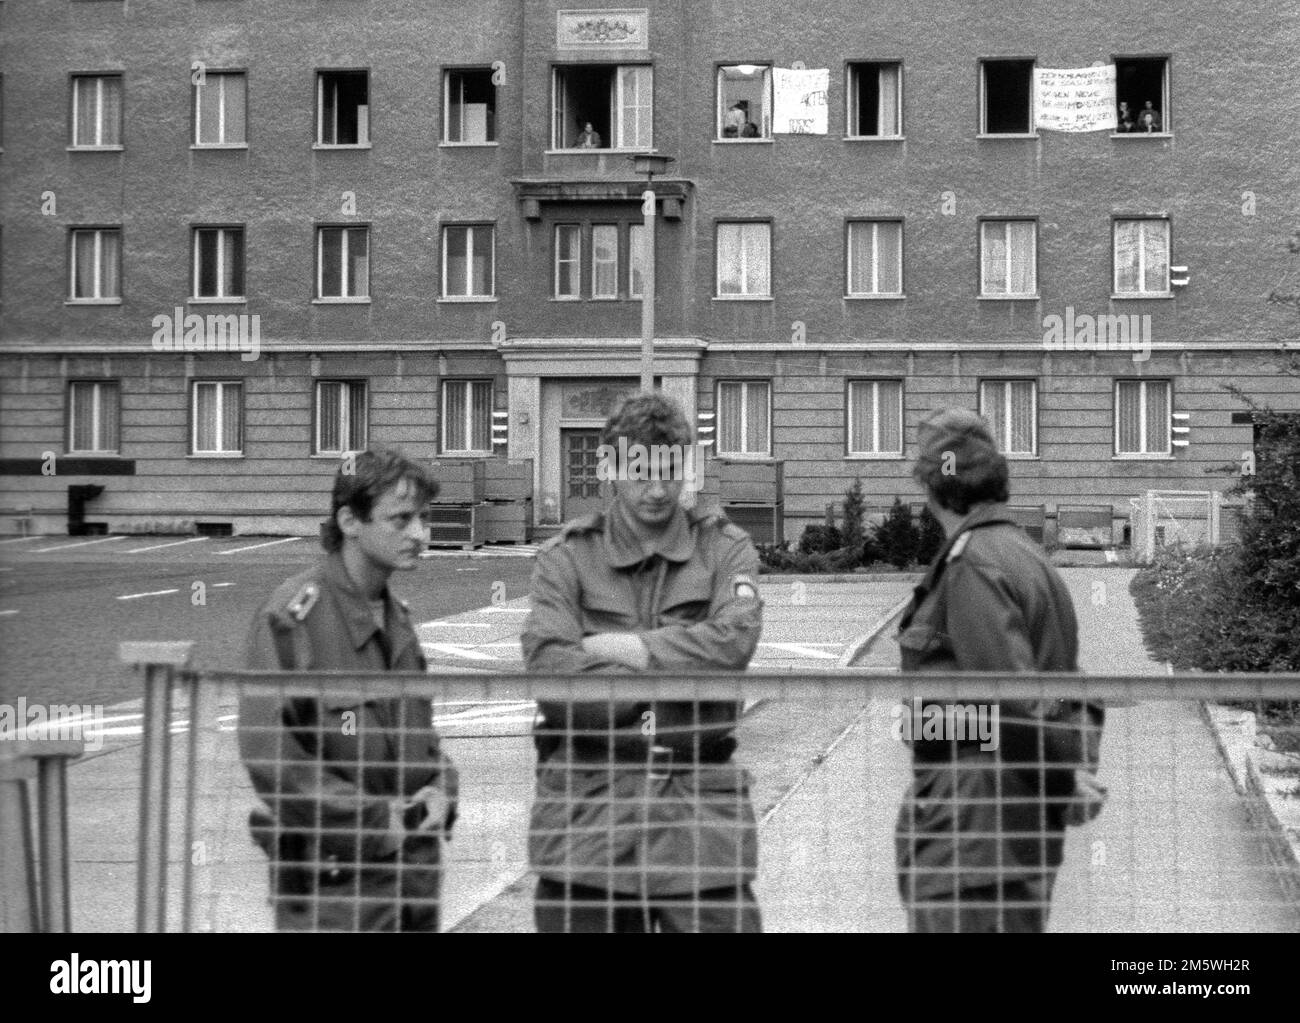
(160, 662)
(52, 803)
(19, 907)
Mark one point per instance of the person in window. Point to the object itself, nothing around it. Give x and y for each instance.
(1148, 118)
(1126, 121)
(588, 138)
(735, 121)
(749, 131)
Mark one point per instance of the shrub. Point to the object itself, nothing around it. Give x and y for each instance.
(854, 509)
(930, 538)
(896, 536)
(819, 539)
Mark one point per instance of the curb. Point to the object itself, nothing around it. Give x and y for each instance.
(863, 643)
(1264, 809)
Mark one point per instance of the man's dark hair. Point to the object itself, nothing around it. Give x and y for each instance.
(373, 473)
(648, 419)
(959, 462)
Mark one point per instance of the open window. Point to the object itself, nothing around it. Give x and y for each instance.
(343, 108)
(1142, 95)
(603, 106)
(875, 100)
(1006, 97)
(470, 108)
(745, 101)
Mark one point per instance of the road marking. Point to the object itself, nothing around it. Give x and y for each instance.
(23, 539)
(11, 611)
(160, 546)
(82, 543)
(805, 649)
(257, 546)
(503, 610)
(458, 625)
(153, 593)
(458, 651)
(217, 585)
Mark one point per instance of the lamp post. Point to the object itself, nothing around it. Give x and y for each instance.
(649, 165)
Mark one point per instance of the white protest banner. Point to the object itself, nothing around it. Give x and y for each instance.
(1075, 99)
(799, 106)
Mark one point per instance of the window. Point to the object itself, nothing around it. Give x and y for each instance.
(604, 261)
(568, 260)
(217, 418)
(1141, 257)
(96, 111)
(1142, 92)
(340, 419)
(220, 109)
(218, 262)
(875, 257)
(470, 109)
(1008, 258)
(744, 417)
(343, 108)
(635, 259)
(468, 261)
(875, 410)
(745, 101)
(1006, 94)
(342, 262)
(875, 100)
(744, 260)
(93, 416)
(96, 265)
(1142, 417)
(603, 106)
(467, 416)
(1011, 408)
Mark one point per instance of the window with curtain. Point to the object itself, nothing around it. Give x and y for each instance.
(744, 417)
(1011, 408)
(220, 108)
(875, 100)
(217, 409)
(467, 415)
(604, 261)
(96, 264)
(468, 261)
(1007, 257)
(340, 424)
(93, 408)
(218, 262)
(342, 262)
(1141, 257)
(875, 257)
(875, 414)
(744, 260)
(96, 111)
(1142, 417)
(568, 260)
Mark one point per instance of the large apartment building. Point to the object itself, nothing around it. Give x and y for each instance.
(240, 238)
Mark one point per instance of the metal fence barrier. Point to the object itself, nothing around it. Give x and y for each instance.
(655, 824)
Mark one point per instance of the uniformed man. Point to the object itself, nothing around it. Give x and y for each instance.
(358, 792)
(642, 821)
(981, 830)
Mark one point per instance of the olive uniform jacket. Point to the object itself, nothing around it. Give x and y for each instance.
(975, 818)
(328, 768)
(633, 796)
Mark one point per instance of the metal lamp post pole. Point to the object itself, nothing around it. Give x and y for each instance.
(648, 288)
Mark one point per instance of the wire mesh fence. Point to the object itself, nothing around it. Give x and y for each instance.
(835, 800)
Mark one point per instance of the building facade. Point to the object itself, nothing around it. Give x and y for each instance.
(239, 238)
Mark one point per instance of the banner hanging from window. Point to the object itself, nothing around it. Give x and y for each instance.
(1075, 99)
(799, 105)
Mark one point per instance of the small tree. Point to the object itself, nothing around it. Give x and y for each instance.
(854, 509)
(930, 538)
(896, 536)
